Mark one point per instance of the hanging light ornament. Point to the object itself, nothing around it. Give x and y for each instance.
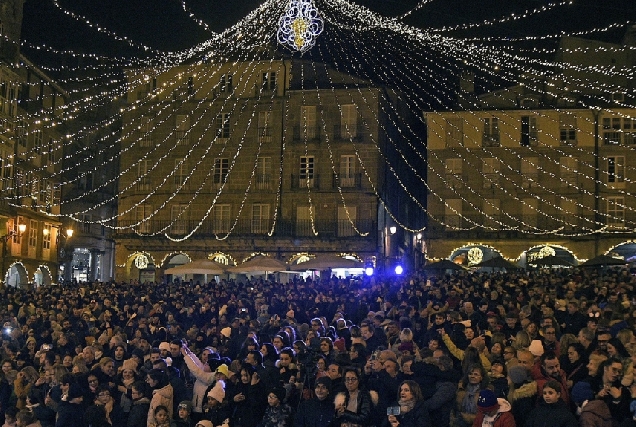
(299, 26)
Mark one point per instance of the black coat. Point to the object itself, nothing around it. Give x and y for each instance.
(315, 413)
(416, 417)
(70, 415)
(551, 415)
(138, 415)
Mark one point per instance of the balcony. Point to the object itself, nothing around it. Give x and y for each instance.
(353, 181)
(299, 182)
(348, 133)
(251, 227)
(307, 133)
(263, 182)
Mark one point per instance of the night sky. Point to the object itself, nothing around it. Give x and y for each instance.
(162, 24)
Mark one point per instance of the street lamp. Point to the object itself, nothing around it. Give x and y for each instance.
(63, 258)
(11, 234)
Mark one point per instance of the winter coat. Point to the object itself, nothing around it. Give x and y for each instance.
(138, 415)
(203, 381)
(416, 417)
(315, 413)
(523, 400)
(249, 412)
(539, 375)
(467, 418)
(277, 416)
(551, 415)
(365, 408)
(504, 417)
(69, 414)
(44, 414)
(440, 404)
(162, 396)
(459, 353)
(595, 413)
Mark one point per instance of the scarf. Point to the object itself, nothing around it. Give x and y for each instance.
(406, 405)
(469, 403)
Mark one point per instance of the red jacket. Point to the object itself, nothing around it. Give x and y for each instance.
(504, 417)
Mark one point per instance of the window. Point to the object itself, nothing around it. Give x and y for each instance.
(568, 169)
(264, 126)
(529, 132)
(87, 223)
(303, 221)
(612, 131)
(33, 233)
(44, 191)
(567, 129)
(178, 219)
(490, 169)
(182, 127)
(143, 183)
(190, 85)
(225, 83)
(629, 130)
(306, 171)
(181, 171)
(616, 211)
(263, 173)
(269, 80)
(260, 218)
(345, 226)
(616, 170)
(51, 151)
(347, 171)
(144, 211)
(453, 166)
(453, 212)
(490, 137)
(145, 131)
(221, 219)
(221, 170)
(529, 172)
(46, 233)
(455, 132)
(5, 170)
(37, 140)
(308, 129)
(348, 121)
(22, 133)
(223, 125)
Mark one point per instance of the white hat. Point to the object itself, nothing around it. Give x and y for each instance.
(536, 348)
(218, 391)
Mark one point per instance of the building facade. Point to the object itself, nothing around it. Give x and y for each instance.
(225, 161)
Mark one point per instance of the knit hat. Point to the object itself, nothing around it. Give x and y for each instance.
(218, 391)
(536, 348)
(129, 364)
(186, 404)
(226, 332)
(487, 401)
(581, 392)
(279, 392)
(518, 374)
(223, 369)
(75, 390)
(326, 381)
(164, 346)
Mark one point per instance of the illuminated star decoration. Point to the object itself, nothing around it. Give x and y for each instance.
(299, 26)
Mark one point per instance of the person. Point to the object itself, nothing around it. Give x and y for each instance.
(105, 411)
(138, 415)
(493, 411)
(162, 394)
(549, 369)
(592, 412)
(473, 382)
(205, 377)
(522, 394)
(278, 413)
(412, 410)
(10, 417)
(184, 409)
(353, 406)
(319, 410)
(26, 418)
(250, 398)
(161, 417)
(551, 407)
(70, 410)
(217, 408)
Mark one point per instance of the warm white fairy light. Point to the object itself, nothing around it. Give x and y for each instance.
(299, 27)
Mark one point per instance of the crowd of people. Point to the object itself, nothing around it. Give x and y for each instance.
(499, 349)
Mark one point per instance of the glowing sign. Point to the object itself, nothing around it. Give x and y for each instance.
(299, 26)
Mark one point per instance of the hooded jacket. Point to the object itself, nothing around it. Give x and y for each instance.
(366, 400)
(503, 418)
(161, 396)
(203, 381)
(595, 413)
(523, 400)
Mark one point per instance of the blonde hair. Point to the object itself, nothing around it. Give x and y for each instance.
(597, 360)
(522, 341)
